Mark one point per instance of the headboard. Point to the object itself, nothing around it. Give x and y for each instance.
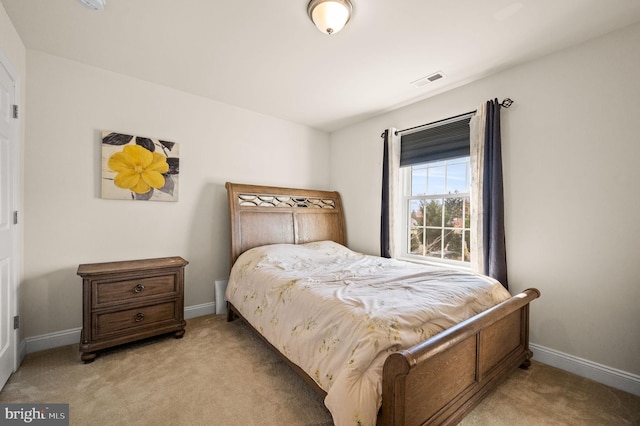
(262, 215)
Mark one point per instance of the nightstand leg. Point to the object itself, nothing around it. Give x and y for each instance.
(179, 334)
(88, 357)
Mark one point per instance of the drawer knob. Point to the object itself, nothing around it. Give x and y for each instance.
(138, 288)
(139, 317)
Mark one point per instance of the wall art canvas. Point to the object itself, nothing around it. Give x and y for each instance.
(139, 168)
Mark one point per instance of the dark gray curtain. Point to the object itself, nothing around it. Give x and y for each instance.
(495, 256)
(385, 248)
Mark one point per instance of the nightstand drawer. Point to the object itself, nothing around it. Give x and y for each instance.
(111, 322)
(108, 292)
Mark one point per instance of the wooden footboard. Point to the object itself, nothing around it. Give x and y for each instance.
(439, 381)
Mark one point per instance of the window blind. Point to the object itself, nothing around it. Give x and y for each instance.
(442, 141)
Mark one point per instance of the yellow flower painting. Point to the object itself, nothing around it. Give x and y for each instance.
(139, 168)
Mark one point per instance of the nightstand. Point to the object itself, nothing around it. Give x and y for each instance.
(130, 300)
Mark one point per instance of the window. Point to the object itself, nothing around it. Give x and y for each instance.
(436, 185)
(437, 210)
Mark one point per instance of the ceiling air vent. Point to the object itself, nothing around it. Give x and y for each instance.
(428, 79)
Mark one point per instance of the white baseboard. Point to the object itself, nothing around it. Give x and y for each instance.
(53, 340)
(199, 310)
(22, 351)
(615, 378)
(72, 336)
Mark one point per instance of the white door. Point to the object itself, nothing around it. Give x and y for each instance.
(8, 229)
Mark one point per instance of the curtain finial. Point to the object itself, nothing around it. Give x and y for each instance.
(507, 102)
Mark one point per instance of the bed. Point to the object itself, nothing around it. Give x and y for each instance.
(433, 377)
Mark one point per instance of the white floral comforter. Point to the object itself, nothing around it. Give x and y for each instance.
(338, 314)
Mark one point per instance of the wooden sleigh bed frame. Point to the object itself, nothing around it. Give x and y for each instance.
(435, 382)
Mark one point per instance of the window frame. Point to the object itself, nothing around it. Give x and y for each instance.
(407, 197)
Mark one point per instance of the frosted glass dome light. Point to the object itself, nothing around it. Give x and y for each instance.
(330, 16)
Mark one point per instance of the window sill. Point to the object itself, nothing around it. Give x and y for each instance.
(460, 266)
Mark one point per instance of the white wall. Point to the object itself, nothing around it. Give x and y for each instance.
(66, 223)
(571, 148)
(10, 42)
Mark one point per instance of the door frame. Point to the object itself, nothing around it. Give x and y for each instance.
(19, 346)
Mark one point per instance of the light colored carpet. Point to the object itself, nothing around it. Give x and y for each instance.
(222, 374)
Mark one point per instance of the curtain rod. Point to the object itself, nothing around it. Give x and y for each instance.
(506, 103)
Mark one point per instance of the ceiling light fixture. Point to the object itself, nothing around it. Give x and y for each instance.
(330, 16)
(93, 4)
